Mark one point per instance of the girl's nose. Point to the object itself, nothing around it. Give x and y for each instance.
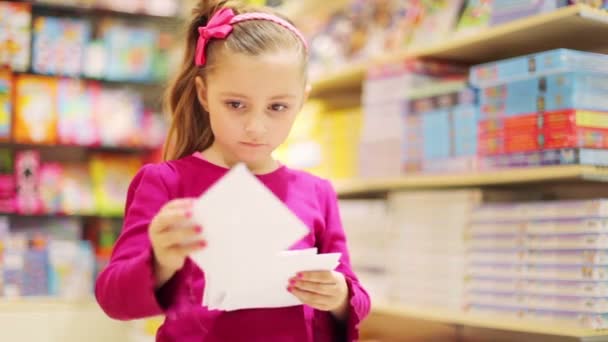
(255, 126)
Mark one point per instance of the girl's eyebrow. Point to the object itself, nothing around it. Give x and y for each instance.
(283, 96)
(231, 94)
(277, 97)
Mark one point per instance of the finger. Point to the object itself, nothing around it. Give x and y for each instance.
(326, 290)
(171, 217)
(182, 236)
(323, 277)
(186, 250)
(179, 203)
(310, 299)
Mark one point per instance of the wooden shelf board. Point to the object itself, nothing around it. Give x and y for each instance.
(94, 11)
(45, 304)
(498, 177)
(576, 27)
(486, 321)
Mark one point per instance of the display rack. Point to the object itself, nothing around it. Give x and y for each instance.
(489, 322)
(48, 319)
(577, 27)
(580, 173)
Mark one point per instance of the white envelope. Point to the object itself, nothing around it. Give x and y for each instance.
(215, 295)
(248, 230)
(268, 289)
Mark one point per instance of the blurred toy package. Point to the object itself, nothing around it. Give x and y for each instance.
(15, 37)
(438, 20)
(475, 17)
(6, 103)
(602, 4)
(35, 270)
(111, 177)
(119, 117)
(7, 181)
(59, 45)
(27, 173)
(77, 194)
(155, 129)
(537, 64)
(35, 110)
(504, 11)
(71, 269)
(76, 123)
(13, 265)
(132, 51)
(51, 184)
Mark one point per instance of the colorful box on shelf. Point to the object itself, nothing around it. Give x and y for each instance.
(42, 264)
(111, 176)
(443, 126)
(504, 11)
(161, 8)
(7, 181)
(475, 17)
(96, 187)
(545, 102)
(569, 156)
(59, 45)
(50, 110)
(534, 141)
(436, 21)
(538, 85)
(539, 256)
(538, 64)
(554, 130)
(35, 119)
(77, 117)
(393, 81)
(6, 103)
(15, 34)
(556, 317)
(131, 51)
(27, 174)
(549, 121)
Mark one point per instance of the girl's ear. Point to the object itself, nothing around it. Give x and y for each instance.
(201, 92)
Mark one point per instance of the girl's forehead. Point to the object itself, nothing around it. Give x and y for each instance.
(270, 73)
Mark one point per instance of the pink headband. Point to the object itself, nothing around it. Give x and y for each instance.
(220, 26)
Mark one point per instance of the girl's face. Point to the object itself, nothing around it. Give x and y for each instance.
(252, 103)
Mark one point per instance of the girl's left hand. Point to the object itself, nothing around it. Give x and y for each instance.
(322, 290)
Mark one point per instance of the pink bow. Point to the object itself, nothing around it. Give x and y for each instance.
(219, 27)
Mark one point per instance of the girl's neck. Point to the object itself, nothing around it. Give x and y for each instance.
(215, 155)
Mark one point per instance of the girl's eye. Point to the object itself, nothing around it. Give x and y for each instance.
(277, 107)
(235, 104)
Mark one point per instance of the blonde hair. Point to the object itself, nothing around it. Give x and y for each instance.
(190, 129)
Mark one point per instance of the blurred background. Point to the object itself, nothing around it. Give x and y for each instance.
(467, 141)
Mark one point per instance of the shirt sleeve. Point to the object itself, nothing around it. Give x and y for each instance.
(333, 239)
(125, 289)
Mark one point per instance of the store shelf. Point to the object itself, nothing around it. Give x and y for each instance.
(63, 215)
(299, 11)
(498, 177)
(488, 321)
(70, 148)
(140, 84)
(49, 319)
(56, 8)
(576, 27)
(45, 303)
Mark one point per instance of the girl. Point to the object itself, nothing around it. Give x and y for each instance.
(235, 99)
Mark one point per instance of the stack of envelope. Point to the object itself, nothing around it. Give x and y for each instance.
(248, 231)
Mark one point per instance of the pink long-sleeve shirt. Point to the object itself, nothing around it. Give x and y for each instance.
(125, 290)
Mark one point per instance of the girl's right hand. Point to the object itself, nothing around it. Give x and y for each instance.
(173, 236)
